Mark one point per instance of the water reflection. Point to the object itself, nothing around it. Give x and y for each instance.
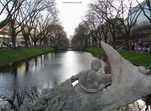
(46, 70)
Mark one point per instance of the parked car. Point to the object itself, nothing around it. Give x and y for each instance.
(122, 47)
(119, 47)
(20, 45)
(3, 46)
(146, 49)
(138, 48)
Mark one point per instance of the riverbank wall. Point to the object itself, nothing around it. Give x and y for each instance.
(11, 57)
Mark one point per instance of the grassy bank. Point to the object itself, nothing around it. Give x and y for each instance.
(13, 55)
(138, 58)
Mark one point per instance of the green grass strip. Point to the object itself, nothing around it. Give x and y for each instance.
(138, 58)
(13, 55)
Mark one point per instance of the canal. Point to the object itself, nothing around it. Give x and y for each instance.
(46, 70)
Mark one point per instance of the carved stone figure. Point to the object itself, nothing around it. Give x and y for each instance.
(129, 83)
(92, 80)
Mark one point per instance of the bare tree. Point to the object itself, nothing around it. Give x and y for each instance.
(8, 9)
(101, 27)
(13, 23)
(91, 25)
(80, 36)
(47, 23)
(43, 21)
(28, 14)
(145, 7)
(57, 35)
(122, 12)
(35, 20)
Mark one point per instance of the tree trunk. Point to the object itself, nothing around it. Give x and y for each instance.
(45, 42)
(14, 41)
(12, 32)
(35, 43)
(126, 43)
(114, 40)
(26, 41)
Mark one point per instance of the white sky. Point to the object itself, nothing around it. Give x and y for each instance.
(71, 14)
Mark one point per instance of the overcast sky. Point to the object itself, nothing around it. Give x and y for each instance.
(71, 13)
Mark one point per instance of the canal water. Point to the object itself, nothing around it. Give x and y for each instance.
(46, 70)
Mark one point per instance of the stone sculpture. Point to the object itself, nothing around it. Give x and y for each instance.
(129, 83)
(93, 80)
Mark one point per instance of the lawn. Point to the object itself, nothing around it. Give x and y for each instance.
(13, 55)
(137, 58)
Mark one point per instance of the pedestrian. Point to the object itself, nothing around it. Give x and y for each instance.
(133, 48)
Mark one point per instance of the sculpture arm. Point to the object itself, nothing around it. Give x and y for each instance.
(74, 78)
(105, 78)
(102, 77)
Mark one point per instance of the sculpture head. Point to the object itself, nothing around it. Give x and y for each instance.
(96, 65)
